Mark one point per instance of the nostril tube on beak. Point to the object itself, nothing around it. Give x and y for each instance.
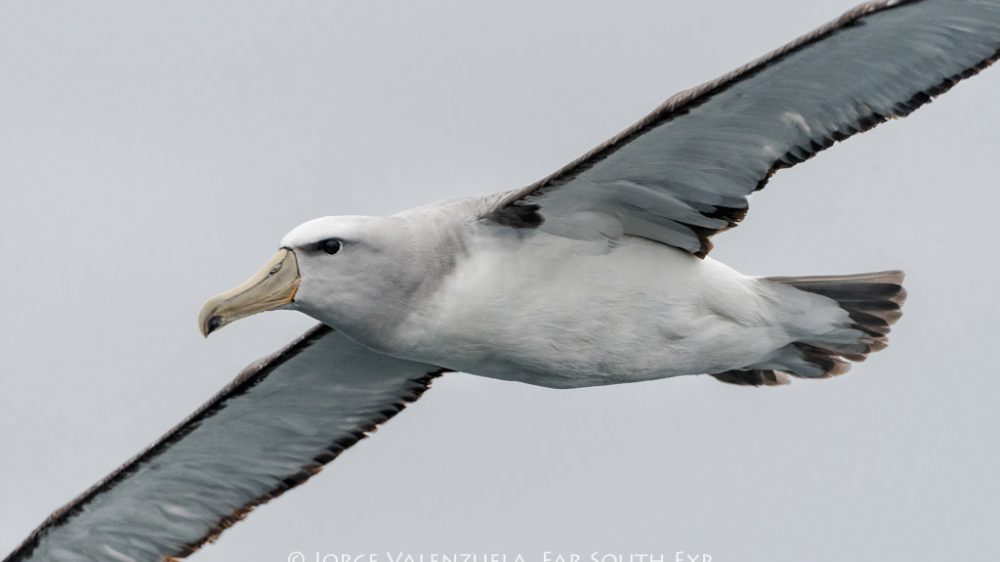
(274, 286)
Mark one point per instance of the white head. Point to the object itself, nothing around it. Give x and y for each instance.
(354, 273)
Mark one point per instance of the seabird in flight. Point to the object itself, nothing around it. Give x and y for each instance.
(597, 274)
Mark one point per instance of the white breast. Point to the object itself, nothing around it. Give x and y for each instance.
(566, 312)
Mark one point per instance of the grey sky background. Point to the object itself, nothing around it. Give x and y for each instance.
(152, 155)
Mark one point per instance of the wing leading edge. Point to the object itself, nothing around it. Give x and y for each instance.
(269, 430)
(684, 172)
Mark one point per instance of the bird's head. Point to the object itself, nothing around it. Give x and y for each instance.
(335, 269)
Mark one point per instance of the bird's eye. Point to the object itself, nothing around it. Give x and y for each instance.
(330, 245)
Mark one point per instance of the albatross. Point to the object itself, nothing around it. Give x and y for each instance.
(597, 274)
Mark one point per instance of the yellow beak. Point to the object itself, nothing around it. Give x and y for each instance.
(272, 287)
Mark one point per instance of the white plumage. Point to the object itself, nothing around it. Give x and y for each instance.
(596, 274)
(546, 309)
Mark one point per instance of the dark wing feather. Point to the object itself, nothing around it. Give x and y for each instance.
(269, 430)
(683, 173)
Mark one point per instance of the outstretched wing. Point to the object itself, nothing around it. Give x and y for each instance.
(684, 172)
(269, 430)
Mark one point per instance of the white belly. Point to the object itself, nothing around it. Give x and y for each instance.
(567, 313)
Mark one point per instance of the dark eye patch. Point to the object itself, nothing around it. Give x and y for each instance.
(330, 245)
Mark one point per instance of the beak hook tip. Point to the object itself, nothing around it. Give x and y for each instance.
(272, 287)
(213, 323)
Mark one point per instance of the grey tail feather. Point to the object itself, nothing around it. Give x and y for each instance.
(754, 377)
(873, 301)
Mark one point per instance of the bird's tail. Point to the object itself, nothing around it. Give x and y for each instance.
(841, 318)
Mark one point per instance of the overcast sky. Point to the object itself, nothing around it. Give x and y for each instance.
(152, 155)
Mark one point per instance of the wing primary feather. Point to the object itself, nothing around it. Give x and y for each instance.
(395, 390)
(723, 140)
